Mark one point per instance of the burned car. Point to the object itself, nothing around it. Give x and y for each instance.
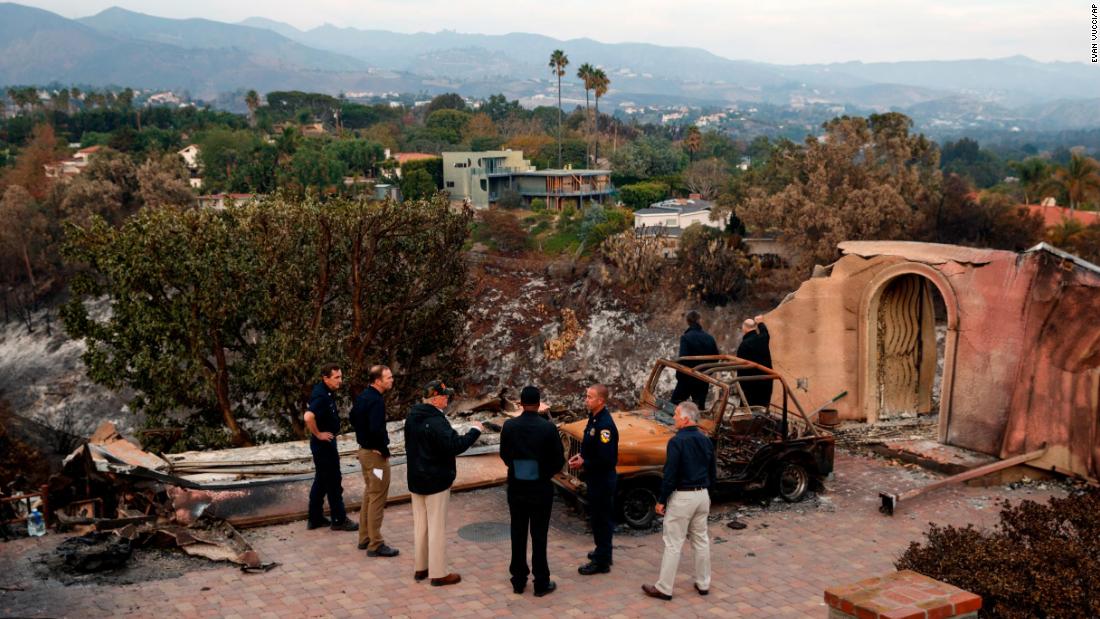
(777, 447)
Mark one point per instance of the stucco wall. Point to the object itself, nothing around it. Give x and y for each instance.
(1021, 357)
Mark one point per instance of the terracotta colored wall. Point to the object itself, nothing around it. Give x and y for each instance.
(1056, 396)
(1025, 365)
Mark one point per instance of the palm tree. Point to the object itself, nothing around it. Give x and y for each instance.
(558, 62)
(1033, 173)
(252, 100)
(585, 75)
(600, 84)
(693, 142)
(1080, 179)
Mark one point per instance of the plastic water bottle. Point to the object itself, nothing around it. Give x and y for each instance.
(36, 525)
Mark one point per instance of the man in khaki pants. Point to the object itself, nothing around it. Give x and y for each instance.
(368, 417)
(431, 445)
(688, 475)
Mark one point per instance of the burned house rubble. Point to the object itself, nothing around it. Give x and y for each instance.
(1016, 369)
(120, 497)
(1001, 349)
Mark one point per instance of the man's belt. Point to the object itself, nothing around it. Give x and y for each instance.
(690, 488)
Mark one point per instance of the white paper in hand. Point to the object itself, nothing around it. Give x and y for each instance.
(377, 473)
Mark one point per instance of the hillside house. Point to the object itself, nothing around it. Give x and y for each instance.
(481, 178)
(671, 217)
(190, 155)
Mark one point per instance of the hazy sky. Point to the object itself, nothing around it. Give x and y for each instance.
(794, 31)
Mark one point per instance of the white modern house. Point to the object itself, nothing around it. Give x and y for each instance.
(671, 217)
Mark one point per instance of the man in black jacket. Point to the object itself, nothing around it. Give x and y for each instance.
(530, 446)
(368, 417)
(756, 347)
(431, 445)
(694, 342)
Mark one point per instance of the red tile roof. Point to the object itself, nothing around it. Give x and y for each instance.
(1055, 215)
(406, 157)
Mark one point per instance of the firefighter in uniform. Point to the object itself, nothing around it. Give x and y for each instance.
(598, 457)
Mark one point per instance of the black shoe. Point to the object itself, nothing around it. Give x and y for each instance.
(701, 591)
(346, 525)
(592, 557)
(383, 551)
(323, 522)
(519, 589)
(550, 588)
(592, 567)
(363, 545)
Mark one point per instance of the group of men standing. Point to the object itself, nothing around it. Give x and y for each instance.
(431, 446)
(531, 449)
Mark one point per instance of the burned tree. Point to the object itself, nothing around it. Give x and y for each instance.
(218, 318)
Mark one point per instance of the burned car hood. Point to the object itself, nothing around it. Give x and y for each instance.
(642, 439)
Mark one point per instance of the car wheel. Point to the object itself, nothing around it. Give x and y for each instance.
(792, 481)
(639, 506)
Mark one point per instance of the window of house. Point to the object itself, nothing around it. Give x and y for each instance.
(460, 165)
(484, 185)
(450, 183)
(670, 222)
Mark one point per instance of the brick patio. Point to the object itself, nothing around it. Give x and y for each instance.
(778, 567)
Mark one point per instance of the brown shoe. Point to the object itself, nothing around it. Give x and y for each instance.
(652, 592)
(701, 591)
(449, 579)
(419, 575)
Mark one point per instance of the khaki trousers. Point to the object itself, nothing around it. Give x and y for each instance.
(686, 515)
(375, 492)
(429, 532)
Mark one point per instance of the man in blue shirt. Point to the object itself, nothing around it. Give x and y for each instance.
(599, 455)
(368, 417)
(688, 475)
(323, 422)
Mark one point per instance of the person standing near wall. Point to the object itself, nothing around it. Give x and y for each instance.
(694, 342)
(756, 347)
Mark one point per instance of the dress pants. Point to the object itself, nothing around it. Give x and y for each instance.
(686, 516)
(375, 492)
(529, 514)
(601, 510)
(429, 532)
(326, 482)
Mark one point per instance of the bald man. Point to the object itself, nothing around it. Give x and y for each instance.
(755, 346)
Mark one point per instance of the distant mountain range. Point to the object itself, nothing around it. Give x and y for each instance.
(204, 57)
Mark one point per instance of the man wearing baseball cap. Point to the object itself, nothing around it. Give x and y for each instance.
(431, 445)
(530, 446)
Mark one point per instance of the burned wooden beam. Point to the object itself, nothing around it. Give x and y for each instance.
(890, 501)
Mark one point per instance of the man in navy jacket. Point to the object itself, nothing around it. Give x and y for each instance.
(368, 417)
